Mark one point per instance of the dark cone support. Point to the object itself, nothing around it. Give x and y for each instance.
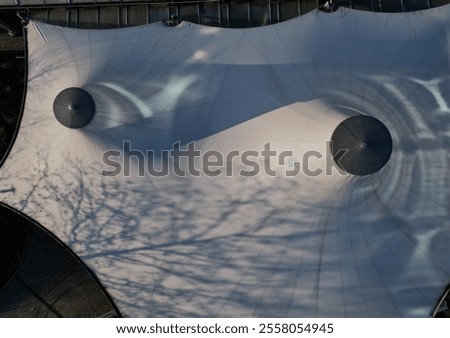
(368, 144)
(74, 108)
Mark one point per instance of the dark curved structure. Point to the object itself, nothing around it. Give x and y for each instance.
(74, 108)
(42, 277)
(362, 145)
(12, 106)
(442, 309)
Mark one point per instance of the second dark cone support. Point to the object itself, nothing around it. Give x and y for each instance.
(361, 145)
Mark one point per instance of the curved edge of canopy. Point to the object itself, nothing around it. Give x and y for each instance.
(24, 96)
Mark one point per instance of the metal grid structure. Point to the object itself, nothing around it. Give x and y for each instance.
(102, 14)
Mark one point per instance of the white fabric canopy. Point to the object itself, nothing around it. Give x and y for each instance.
(329, 245)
